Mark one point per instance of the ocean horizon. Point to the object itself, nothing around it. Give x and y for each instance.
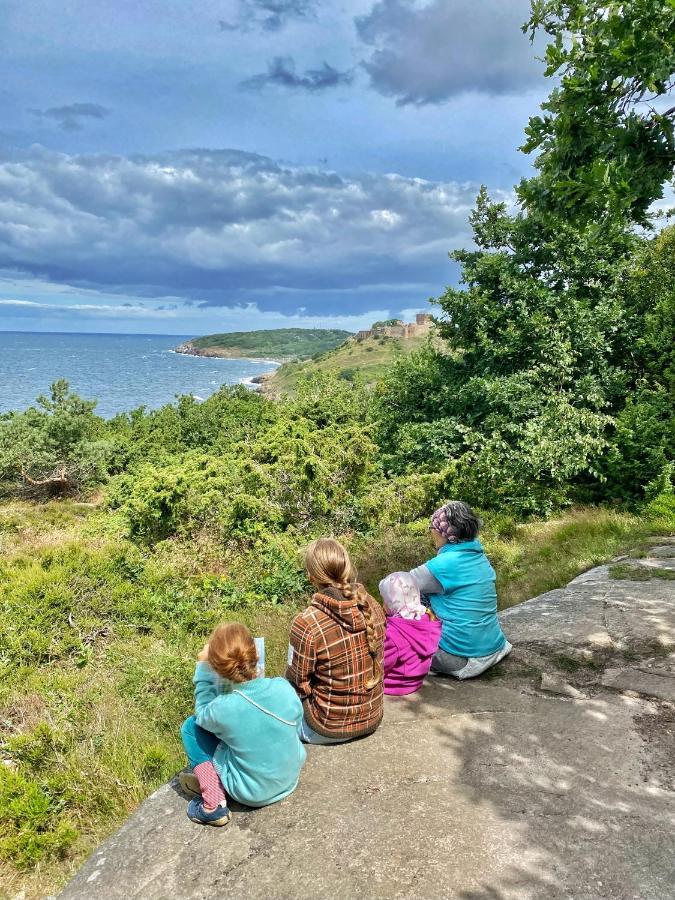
(120, 371)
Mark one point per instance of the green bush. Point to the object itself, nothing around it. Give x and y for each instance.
(402, 499)
(35, 826)
(56, 447)
(641, 446)
(161, 500)
(661, 512)
(307, 468)
(348, 374)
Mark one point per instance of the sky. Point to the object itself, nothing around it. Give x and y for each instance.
(185, 168)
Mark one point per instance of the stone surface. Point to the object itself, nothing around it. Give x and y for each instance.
(599, 573)
(661, 562)
(666, 551)
(554, 685)
(480, 790)
(598, 615)
(654, 683)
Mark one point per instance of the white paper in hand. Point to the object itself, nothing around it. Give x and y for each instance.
(260, 648)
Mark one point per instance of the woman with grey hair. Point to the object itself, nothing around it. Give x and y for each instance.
(459, 586)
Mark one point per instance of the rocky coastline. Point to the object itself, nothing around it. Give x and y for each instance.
(257, 382)
(189, 349)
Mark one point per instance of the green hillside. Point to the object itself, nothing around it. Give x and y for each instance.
(278, 343)
(370, 357)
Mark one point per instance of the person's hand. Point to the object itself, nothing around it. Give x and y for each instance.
(203, 654)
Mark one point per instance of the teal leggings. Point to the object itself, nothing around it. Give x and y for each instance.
(200, 745)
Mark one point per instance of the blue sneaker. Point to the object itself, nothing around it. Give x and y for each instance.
(218, 816)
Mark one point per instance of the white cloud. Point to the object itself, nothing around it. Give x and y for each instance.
(169, 317)
(225, 226)
(102, 309)
(428, 52)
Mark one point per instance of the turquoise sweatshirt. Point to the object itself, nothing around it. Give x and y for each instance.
(260, 756)
(468, 605)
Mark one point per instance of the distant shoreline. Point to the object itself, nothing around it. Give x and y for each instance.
(258, 382)
(255, 382)
(206, 354)
(188, 349)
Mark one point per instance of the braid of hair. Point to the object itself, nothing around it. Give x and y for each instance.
(357, 593)
(328, 563)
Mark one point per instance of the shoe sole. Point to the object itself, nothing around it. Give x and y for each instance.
(189, 784)
(217, 822)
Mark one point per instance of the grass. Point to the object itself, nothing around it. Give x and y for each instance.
(541, 556)
(98, 638)
(275, 343)
(370, 358)
(627, 572)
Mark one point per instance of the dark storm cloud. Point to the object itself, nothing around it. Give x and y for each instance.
(430, 53)
(281, 72)
(70, 117)
(268, 15)
(221, 224)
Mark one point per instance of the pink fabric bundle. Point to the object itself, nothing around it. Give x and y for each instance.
(411, 638)
(401, 596)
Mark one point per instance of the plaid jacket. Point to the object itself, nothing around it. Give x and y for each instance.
(331, 664)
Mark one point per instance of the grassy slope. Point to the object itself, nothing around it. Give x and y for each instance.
(369, 357)
(279, 343)
(91, 731)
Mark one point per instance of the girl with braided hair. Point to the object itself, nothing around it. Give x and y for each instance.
(336, 651)
(459, 586)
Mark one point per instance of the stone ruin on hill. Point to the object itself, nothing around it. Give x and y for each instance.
(418, 328)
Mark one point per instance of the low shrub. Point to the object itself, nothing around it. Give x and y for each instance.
(661, 512)
(402, 499)
(35, 825)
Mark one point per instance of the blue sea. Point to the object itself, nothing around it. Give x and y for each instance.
(121, 371)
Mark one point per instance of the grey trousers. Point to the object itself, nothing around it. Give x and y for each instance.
(447, 663)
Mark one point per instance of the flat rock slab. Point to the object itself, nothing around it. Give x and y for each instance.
(655, 683)
(661, 561)
(493, 789)
(665, 551)
(597, 615)
(518, 797)
(567, 618)
(599, 573)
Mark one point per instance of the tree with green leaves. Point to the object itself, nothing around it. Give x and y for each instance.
(55, 447)
(554, 327)
(606, 138)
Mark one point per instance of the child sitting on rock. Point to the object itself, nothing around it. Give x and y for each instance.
(412, 635)
(243, 738)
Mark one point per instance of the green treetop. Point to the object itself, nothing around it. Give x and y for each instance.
(606, 141)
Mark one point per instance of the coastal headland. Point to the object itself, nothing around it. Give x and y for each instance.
(279, 344)
(303, 351)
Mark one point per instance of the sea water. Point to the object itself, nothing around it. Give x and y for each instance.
(120, 371)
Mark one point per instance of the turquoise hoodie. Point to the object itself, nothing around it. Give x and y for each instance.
(259, 756)
(468, 605)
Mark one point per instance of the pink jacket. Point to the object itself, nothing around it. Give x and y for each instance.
(409, 645)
